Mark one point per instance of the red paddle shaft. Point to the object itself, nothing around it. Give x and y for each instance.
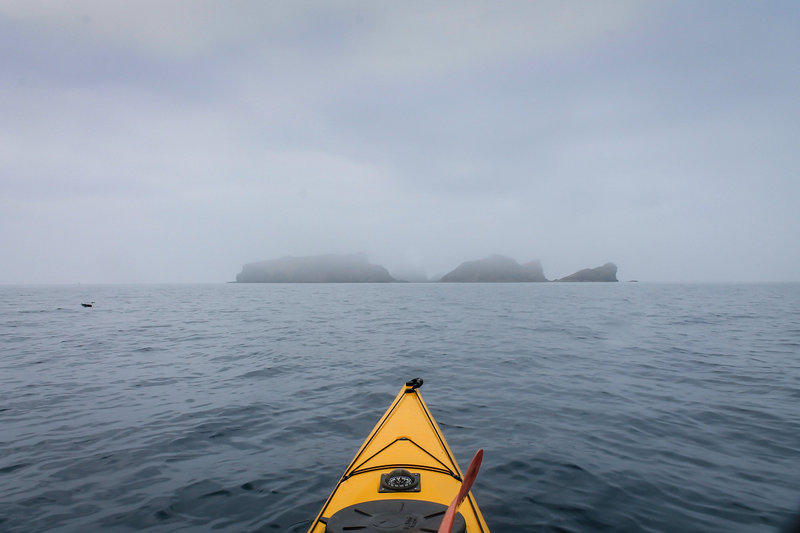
(469, 479)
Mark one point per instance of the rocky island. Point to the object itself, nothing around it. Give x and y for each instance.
(356, 268)
(495, 268)
(330, 268)
(607, 272)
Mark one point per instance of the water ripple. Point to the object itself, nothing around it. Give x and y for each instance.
(602, 407)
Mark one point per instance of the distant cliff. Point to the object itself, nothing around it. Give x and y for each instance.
(496, 268)
(607, 272)
(352, 268)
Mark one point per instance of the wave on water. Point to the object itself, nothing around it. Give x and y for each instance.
(601, 407)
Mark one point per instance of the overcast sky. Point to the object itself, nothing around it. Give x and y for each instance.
(166, 140)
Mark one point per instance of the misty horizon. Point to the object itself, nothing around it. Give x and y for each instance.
(177, 141)
(402, 273)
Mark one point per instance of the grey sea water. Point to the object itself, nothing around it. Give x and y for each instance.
(601, 407)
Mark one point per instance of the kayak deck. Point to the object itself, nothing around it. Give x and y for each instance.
(402, 478)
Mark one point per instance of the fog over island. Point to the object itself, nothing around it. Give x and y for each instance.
(329, 268)
(496, 268)
(176, 141)
(356, 268)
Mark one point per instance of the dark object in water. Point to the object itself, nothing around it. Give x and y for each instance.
(87, 305)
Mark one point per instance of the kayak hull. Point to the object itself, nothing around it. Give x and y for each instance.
(405, 464)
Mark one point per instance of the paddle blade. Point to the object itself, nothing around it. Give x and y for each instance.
(466, 484)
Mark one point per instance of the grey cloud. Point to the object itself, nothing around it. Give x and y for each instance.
(658, 136)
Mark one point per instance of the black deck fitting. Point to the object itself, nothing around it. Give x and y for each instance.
(414, 383)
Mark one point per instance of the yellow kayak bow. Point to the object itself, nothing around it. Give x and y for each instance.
(402, 479)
